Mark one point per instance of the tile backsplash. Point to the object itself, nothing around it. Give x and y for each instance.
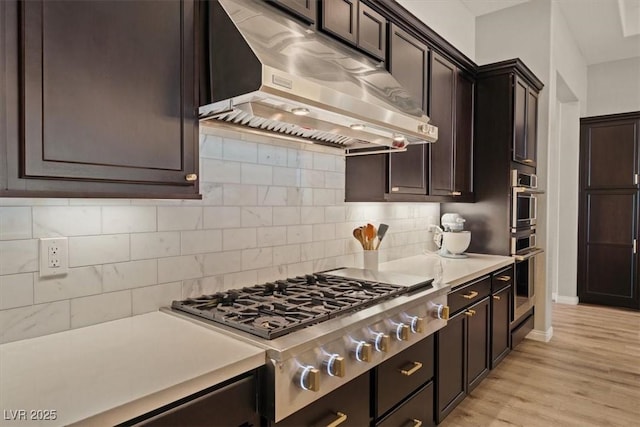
(271, 208)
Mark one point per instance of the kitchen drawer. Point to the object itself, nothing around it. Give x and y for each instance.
(501, 279)
(403, 373)
(418, 409)
(518, 334)
(469, 294)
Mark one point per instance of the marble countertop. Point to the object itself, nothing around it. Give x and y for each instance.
(453, 272)
(109, 373)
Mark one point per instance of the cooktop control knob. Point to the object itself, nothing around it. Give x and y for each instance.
(335, 365)
(381, 341)
(308, 378)
(440, 311)
(363, 351)
(401, 332)
(417, 324)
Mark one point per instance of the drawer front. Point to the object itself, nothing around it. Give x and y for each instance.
(418, 409)
(501, 279)
(403, 373)
(469, 294)
(518, 334)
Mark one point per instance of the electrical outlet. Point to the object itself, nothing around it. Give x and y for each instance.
(54, 259)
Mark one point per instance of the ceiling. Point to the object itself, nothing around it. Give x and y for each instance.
(605, 30)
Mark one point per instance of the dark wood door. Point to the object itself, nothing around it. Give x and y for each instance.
(366, 178)
(408, 64)
(450, 365)
(305, 9)
(416, 411)
(520, 89)
(532, 128)
(478, 329)
(443, 80)
(372, 31)
(500, 320)
(463, 161)
(340, 18)
(109, 91)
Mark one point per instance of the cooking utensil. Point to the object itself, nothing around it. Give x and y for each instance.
(382, 230)
(370, 233)
(357, 233)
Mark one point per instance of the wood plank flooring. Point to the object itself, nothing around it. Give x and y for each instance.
(587, 375)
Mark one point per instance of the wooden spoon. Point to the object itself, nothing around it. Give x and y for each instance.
(357, 233)
(371, 234)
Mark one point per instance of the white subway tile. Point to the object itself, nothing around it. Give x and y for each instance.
(334, 180)
(16, 290)
(272, 155)
(203, 286)
(222, 217)
(91, 250)
(311, 251)
(52, 221)
(257, 216)
(334, 248)
(201, 241)
(257, 174)
(222, 262)
(211, 147)
(33, 321)
(355, 212)
(311, 178)
(240, 195)
(340, 163)
(325, 162)
(324, 232)
(289, 215)
(238, 238)
(180, 268)
(19, 201)
(288, 254)
(18, 256)
(299, 269)
(15, 223)
(271, 274)
(102, 202)
(128, 219)
(271, 236)
(335, 213)
(323, 197)
(272, 196)
(345, 229)
(179, 218)
(220, 171)
(151, 298)
(286, 177)
(237, 280)
(339, 197)
(128, 275)
(155, 245)
(311, 215)
(240, 151)
(100, 308)
(299, 159)
(257, 258)
(78, 282)
(299, 196)
(211, 193)
(299, 234)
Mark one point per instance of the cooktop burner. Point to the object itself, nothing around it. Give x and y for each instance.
(273, 309)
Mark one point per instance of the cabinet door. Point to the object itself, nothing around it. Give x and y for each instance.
(532, 128)
(108, 92)
(443, 80)
(450, 365)
(408, 64)
(416, 411)
(500, 319)
(479, 325)
(463, 162)
(366, 178)
(340, 18)
(519, 120)
(372, 31)
(306, 9)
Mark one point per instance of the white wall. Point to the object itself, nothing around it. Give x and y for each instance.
(450, 19)
(614, 87)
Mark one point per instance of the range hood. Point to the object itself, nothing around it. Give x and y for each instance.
(270, 73)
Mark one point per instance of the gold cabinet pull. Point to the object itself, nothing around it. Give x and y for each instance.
(528, 161)
(191, 177)
(342, 417)
(412, 370)
(503, 278)
(416, 423)
(470, 295)
(496, 297)
(456, 193)
(470, 313)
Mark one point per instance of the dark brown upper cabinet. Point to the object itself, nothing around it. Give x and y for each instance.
(101, 99)
(452, 112)
(525, 122)
(408, 63)
(307, 10)
(357, 24)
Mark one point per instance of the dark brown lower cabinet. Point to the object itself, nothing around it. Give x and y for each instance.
(478, 327)
(351, 402)
(416, 411)
(500, 319)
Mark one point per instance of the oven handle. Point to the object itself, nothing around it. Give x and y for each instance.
(528, 255)
(527, 190)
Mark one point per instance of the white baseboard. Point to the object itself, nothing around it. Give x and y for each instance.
(554, 296)
(541, 336)
(566, 300)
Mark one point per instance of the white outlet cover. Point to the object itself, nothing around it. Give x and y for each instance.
(58, 246)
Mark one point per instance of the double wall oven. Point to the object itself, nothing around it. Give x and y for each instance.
(524, 248)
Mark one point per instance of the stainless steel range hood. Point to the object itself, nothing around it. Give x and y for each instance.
(271, 73)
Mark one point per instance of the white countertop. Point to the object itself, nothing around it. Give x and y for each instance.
(450, 271)
(117, 370)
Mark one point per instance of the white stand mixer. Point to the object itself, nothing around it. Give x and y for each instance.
(451, 239)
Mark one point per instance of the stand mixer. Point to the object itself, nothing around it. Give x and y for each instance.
(452, 239)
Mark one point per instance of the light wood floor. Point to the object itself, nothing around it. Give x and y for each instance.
(587, 375)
